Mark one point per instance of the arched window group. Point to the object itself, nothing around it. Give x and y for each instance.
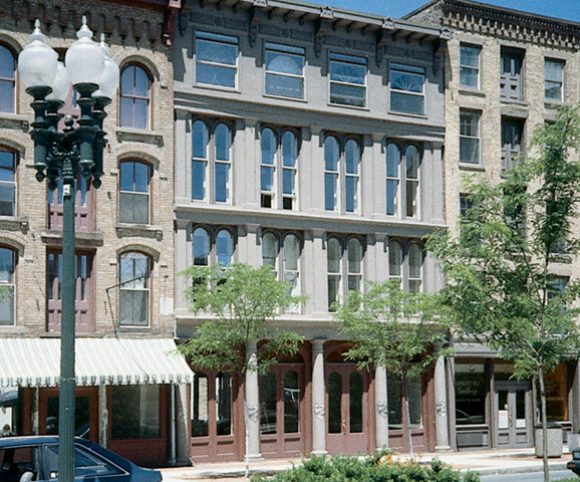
(278, 168)
(341, 175)
(406, 264)
(344, 259)
(211, 162)
(212, 245)
(402, 179)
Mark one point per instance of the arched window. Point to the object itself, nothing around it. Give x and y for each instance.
(278, 169)
(134, 192)
(135, 97)
(7, 182)
(406, 265)
(201, 247)
(224, 247)
(7, 79)
(134, 272)
(402, 180)
(269, 250)
(344, 257)
(341, 175)
(211, 161)
(7, 285)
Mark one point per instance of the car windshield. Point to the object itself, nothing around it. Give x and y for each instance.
(87, 463)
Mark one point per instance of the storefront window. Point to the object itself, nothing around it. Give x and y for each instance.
(469, 393)
(223, 392)
(556, 384)
(267, 403)
(397, 401)
(135, 412)
(394, 396)
(291, 402)
(415, 403)
(199, 405)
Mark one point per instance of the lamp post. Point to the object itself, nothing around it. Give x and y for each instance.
(61, 155)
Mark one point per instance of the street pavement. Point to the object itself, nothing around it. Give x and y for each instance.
(492, 465)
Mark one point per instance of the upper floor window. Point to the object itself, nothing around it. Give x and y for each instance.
(282, 253)
(511, 82)
(278, 169)
(284, 70)
(135, 97)
(511, 136)
(407, 89)
(84, 296)
(216, 59)
(348, 80)
(469, 137)
(469, 66)
(134, 192)
(212, 246)
(403, 180)
(7, 283)
(344, 268)
(7, 183)
(134, 272)
(554, 80)
(406, 265)
(84, 205)
(211, 161)
(341, 175)
(7, 79)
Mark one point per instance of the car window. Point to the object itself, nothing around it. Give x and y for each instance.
(87, 463)
(16, 461)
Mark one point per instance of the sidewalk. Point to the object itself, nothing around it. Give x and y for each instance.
(486, 462)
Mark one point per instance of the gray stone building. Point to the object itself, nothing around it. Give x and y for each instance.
(124, 240)
(506, 72)
(309, 139)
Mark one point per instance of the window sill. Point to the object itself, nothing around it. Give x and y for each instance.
(10, 120)
(349, 107)
(553, 104)
(127, 230)
(126, 134)
(471, 167)
(233, 90)
(14, 223)
(517, 103)
(83, 239)
(281, 97)
(475, 92)
(405, 114)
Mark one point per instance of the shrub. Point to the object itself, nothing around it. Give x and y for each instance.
(378, 467)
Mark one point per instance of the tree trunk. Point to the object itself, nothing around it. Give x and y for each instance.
(544, 424)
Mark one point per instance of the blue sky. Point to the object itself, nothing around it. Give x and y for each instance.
(565, 9)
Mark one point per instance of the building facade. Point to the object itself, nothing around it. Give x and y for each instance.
(506, 73)
(309, 139)
(125, 374)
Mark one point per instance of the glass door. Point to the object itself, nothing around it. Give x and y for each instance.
(513, 418)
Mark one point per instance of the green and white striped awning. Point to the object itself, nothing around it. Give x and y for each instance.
(35, 362)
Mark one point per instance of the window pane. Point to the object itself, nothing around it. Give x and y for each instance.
(412, 194)
(6, 304)
(288, 181)
(413, 160)
(267, 390)
(289, 149)
(355, 403)
(395, 258)
(411, 104)
(415, 260)
(330, 191)
(141, 82)
(198, 179)
(224, 247)
(334, 403)
(217, 52)
(133, 306)
(331, 153)
(351, 184)
(291, 252)
(347, 95)
(135, 412)
(352, 156)
(415, 404)
(126, 112)
(222, 177)
(354, 256)
(268, 143)
(6, 95)
(333, 255)
(200, 140)
(200, 247)
(223, 141)
(141, 108)
(7, 64)
(216, 59)
(199, 405)
(284, 63)
(410, 82)
(291, 402)
(394, 400)
(469, 151)
(269, 250)
(267, 178)
(223, 398)
(392, 193)
(469, 393)
(284, 86)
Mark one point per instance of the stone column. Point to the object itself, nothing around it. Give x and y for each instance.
(103, 416)
(441, 423)
(382, 411)
(252, 405)
(318, 399)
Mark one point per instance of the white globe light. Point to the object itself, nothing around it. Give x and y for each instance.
(110, 76)
(61, 84)
(37, 61)
(84, 59)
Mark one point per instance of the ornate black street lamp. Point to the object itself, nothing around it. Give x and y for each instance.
(61, 155)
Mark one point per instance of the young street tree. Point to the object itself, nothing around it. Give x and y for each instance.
(394, 329)
(502, 287)
(241, 302)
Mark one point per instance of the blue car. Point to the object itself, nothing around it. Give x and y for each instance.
(35, 458)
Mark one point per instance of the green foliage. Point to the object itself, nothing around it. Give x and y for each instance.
(392, 328)
(501, 288)
(244, 301)
(383, 469)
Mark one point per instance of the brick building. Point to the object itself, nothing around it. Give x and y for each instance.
(506, 72)
(124, 240)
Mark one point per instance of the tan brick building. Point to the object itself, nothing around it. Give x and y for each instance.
(505, 73)
(124, 239)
